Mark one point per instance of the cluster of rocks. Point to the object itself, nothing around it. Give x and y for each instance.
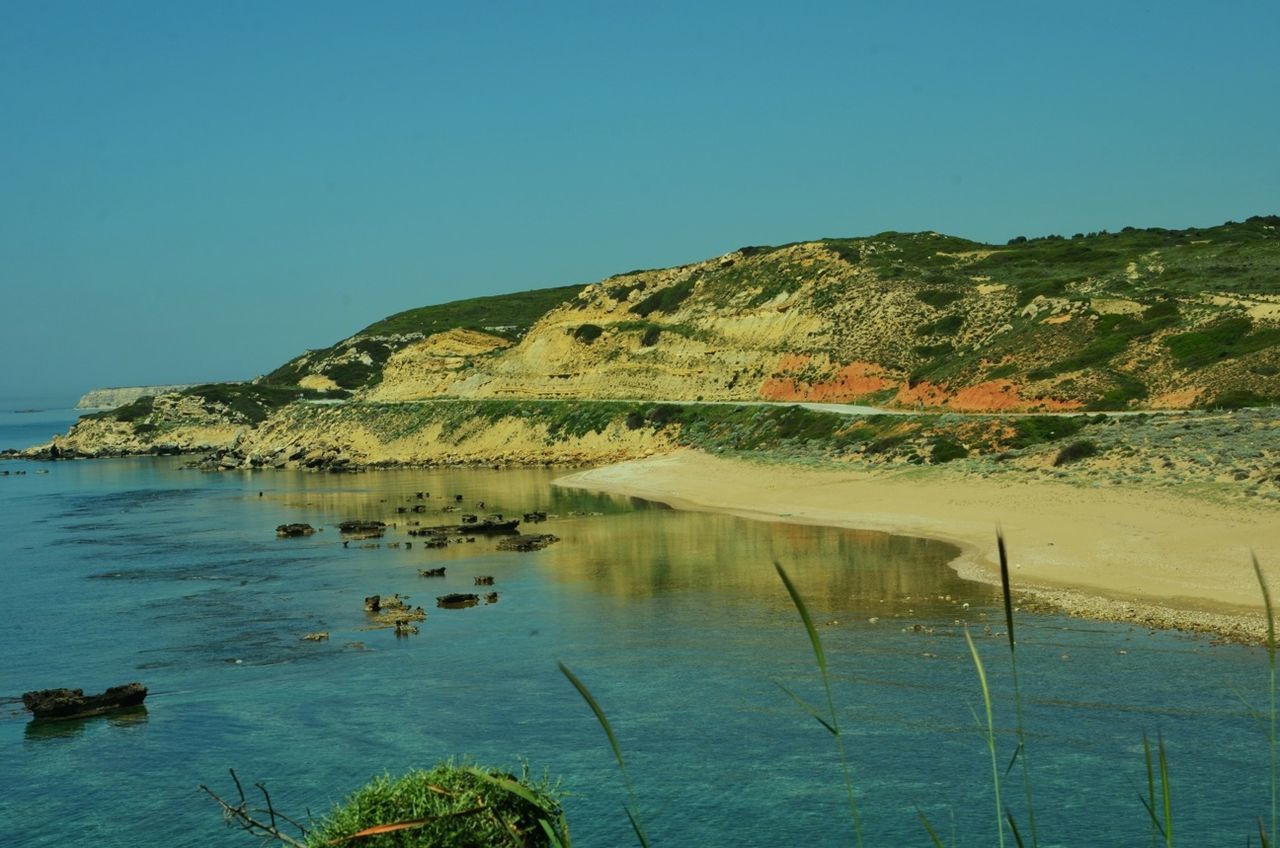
(317, 458)
(395, 612)
(527, 542)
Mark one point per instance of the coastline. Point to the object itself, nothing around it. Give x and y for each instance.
(1154, 558)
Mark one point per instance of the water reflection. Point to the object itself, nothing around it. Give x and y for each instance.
(641, 554)
(393, 495)
(633, 549)
(39, 729)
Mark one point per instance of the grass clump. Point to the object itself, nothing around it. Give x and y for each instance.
(450, 805)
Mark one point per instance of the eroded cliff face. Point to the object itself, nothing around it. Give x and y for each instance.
(801, 324)
(893, 321)
(430, 367)
(360, 435)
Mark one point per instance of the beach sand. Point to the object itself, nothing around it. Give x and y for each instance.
(1152, 557)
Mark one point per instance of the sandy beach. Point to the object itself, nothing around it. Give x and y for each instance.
(1156, 558)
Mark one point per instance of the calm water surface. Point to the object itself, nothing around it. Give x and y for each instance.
(121, 570)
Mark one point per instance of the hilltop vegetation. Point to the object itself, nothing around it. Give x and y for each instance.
(357, 361)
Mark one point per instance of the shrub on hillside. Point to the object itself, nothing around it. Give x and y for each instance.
(1075, 451)
(946, 449)
(665, 300)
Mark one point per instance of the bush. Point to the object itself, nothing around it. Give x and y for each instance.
(1033, 430)
(1223, 340)
(947, 326)
(665, 300)
(462, 806)
(1237, 399)
(140, 408)
(587, 333)
(662, 414)
(946, 449)
(353, 374)
(1125, 388)
(938, 298)
(1075, 451)
(650, 337)
(933, 351)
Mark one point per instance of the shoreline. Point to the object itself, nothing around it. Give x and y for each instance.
(1151, 558)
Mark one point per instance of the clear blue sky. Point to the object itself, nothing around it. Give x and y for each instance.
(198, 191)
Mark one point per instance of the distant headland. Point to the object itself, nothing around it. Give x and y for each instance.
(111, 398)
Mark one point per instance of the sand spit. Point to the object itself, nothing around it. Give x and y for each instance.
(1152, 557)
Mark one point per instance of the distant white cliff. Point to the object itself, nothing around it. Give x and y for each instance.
(111, 398)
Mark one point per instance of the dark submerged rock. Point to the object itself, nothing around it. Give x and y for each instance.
(73, 703)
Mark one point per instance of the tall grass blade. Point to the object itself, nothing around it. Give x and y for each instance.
(632, 812)
(1006, 587)
(991, 733)
(1013, 827)
(1159, 809)
(557, 833)
(1271, 656)
(928, 827)
(810, 709)
(1150, 801)
(834, 725)
(1166, 795)
(1262, 833)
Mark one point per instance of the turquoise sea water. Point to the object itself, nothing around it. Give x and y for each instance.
(120, 570)
(31, 421)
